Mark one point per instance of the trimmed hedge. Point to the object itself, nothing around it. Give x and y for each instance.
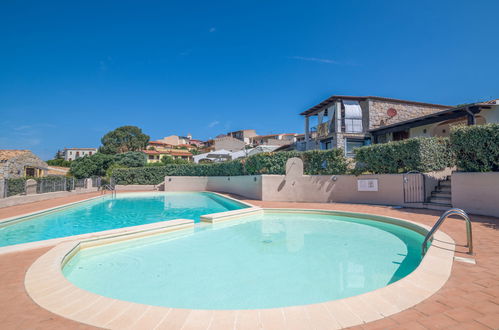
(15, 186)
(415, 154)
(315, 162)
(476, 147)
(156, 174)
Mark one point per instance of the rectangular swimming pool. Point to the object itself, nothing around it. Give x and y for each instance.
(108, 213)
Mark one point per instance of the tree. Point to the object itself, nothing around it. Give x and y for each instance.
(95, 165)
(124, 139)
(59, 155)
(131, 159)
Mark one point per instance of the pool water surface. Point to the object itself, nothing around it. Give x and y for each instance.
(259, 261)
(108, 212)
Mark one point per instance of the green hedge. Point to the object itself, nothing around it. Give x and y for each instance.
(476, 147)
(269, 162)
(15, 186)
(415, 154)
(156, 174)
(315, 162)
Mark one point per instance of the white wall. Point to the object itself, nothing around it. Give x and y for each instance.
(476, 193)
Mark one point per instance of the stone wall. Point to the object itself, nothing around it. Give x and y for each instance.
(14, 167)
(378, 112)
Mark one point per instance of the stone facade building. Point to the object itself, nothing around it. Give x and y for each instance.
(21, 163)
(225, 143)
(345, 121)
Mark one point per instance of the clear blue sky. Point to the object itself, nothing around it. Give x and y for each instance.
(72, 70)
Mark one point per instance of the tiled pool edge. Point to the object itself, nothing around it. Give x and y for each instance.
(54, 241)
(47, 286)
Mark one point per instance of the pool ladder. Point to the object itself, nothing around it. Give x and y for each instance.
(111, 189)
(441, 220)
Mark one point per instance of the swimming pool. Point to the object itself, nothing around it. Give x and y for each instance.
(108, 212)
(266, 260)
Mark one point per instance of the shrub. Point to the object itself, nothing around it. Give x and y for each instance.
(156, 174)
(269, 162)
(476, 147)
(315, 162)
(416, 154)
(59, 162)
(15, 186)
(324, 162)
(131, 159)
(95, 165)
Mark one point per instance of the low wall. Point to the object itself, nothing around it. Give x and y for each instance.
(333, 188)
(476, 193)
(24, 199)
(249, 186)
(307, 188)
(135, 187)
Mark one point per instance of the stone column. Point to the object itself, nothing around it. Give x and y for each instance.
(31, 187)
(2, 188)
(88, 183)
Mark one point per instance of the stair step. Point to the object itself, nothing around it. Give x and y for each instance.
(438, 206)
(441, 193)
(444, 184)
(441, 200)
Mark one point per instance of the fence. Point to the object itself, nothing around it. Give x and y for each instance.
(17, 186)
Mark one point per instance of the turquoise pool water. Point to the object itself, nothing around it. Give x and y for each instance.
(264, 261)
(111, 213)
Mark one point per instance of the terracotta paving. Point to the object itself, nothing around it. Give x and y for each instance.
(469, 300)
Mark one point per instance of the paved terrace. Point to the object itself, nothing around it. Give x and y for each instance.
(469, 300)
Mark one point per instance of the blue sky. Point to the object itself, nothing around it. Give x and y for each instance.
(72, 70)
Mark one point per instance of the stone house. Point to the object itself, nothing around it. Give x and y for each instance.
(225, 143)
(439, 123)
(21, 163)
(274, 139)
(345, 121)
(244, 135)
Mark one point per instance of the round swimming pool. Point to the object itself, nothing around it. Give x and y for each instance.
(260, 261)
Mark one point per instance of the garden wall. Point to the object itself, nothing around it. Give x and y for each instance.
(307, 188)
(476, 193)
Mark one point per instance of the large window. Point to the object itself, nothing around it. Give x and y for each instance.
(351, 145)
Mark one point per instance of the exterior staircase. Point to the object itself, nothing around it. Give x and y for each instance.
(441, 198)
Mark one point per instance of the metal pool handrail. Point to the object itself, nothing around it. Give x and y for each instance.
(448, 213)
(110, 188)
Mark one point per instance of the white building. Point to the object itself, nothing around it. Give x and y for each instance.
(75, 153)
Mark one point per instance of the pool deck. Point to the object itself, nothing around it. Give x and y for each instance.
(469, 299)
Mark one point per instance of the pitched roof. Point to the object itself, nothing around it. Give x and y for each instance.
(334, 98)
(6, 154)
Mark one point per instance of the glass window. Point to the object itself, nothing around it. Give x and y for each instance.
(350, 145)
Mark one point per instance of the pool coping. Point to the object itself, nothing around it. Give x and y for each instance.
(54, 241)
(47, 286)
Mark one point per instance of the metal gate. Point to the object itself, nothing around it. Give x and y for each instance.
(414, 187)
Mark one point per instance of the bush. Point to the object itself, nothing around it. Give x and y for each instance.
(416, 154)
(315, 162)
(269, 162)
(328, 162)
(131, 159)
(476, 147)
(95, 165)
(59, 162)
(156, 174)
(15, 186)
